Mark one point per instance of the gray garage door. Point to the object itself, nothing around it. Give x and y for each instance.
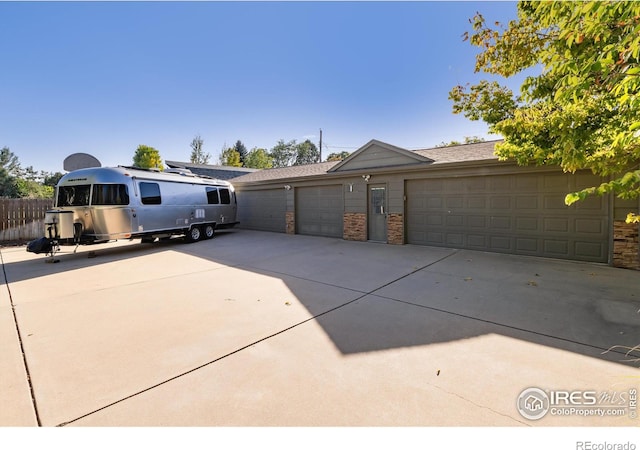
(521, 214)
(319, 210)
(262, 210)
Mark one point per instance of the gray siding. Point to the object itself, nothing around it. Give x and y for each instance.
(522, 214)
(375, 156)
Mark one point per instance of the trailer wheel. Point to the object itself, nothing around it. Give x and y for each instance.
(209, 231)
(194, 234)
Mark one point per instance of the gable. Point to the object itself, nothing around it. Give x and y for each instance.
(377, 154)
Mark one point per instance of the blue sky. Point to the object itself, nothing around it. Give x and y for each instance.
(104, 77)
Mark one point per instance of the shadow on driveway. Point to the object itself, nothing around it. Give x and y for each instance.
(405, 296)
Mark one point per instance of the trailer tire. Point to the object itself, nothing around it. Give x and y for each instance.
(194, 234)
(209, 231)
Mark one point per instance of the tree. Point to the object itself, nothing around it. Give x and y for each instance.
(581, 111)
(283, 153)
(230, 157)
(9, 172)
(242, 151)
(338, 156)
(258, 158)
(16, 182)
(467, 140)
(306, 153)
(25, 188)
(198, 156)
(147, 157)
(51, 179)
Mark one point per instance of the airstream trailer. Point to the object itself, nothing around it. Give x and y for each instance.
(109, 203)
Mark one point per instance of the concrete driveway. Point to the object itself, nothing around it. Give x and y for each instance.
(266, 329)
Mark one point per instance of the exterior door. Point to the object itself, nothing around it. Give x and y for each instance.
(377, 214)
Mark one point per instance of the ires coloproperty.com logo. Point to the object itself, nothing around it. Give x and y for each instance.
(535, 403)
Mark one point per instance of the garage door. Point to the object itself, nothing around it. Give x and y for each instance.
(522, 214)
(319, 210)
(262, 210)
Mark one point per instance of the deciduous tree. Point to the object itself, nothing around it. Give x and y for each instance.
(283, 153)
(147, 158)
(338, 156)
(258, 158)
(198, 156)
(306, 153)
(230, 157)
(581, 110)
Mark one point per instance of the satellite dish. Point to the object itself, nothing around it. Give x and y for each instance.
(80, 161)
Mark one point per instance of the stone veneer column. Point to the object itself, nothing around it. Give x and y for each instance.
(625, 245)
(291, 222)
(354, 226)
(395, 228)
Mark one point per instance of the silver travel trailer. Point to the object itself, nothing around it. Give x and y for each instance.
(109, 203)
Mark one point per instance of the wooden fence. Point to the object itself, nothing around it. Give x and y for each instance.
(22, 219)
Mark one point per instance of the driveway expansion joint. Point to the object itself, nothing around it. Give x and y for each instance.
(19, 334)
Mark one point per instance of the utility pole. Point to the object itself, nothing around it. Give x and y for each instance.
(320, 156)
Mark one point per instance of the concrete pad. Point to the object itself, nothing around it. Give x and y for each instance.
(86, 351)
(299, 378)
(255, 328)
(15, 396)
(589, 304)
(361, 266)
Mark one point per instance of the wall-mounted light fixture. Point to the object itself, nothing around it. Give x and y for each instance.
(350, 187)
(366, 177)
(287, 187)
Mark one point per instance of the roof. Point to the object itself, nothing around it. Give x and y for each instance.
(306, 170)
(481, 151)
(459, 153)
(213, 171)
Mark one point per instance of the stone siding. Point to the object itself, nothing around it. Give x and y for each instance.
(625, 245)
(395, 229)
(291, 222)
(354, 226)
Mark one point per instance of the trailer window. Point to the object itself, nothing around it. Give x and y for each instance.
(225, 197)
(212, 196)
(110, 194)
(74, 195)
(150, 193)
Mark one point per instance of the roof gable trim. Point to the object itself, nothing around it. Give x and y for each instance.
(405, 155)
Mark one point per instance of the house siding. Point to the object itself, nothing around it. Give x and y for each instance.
(537, 222)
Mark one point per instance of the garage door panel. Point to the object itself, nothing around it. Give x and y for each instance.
(477, 241)
(522, 214)
(263, 210)
(527, 245)
(319, 211)
(527, 224)
(591, 226)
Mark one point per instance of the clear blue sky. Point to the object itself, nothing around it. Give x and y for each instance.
(102, 78)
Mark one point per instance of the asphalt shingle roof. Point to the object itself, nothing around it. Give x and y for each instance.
(459, 153)
(481, 151)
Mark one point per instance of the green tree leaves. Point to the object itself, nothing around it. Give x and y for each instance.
(258, 158)
(147, 157)
(581, 111)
